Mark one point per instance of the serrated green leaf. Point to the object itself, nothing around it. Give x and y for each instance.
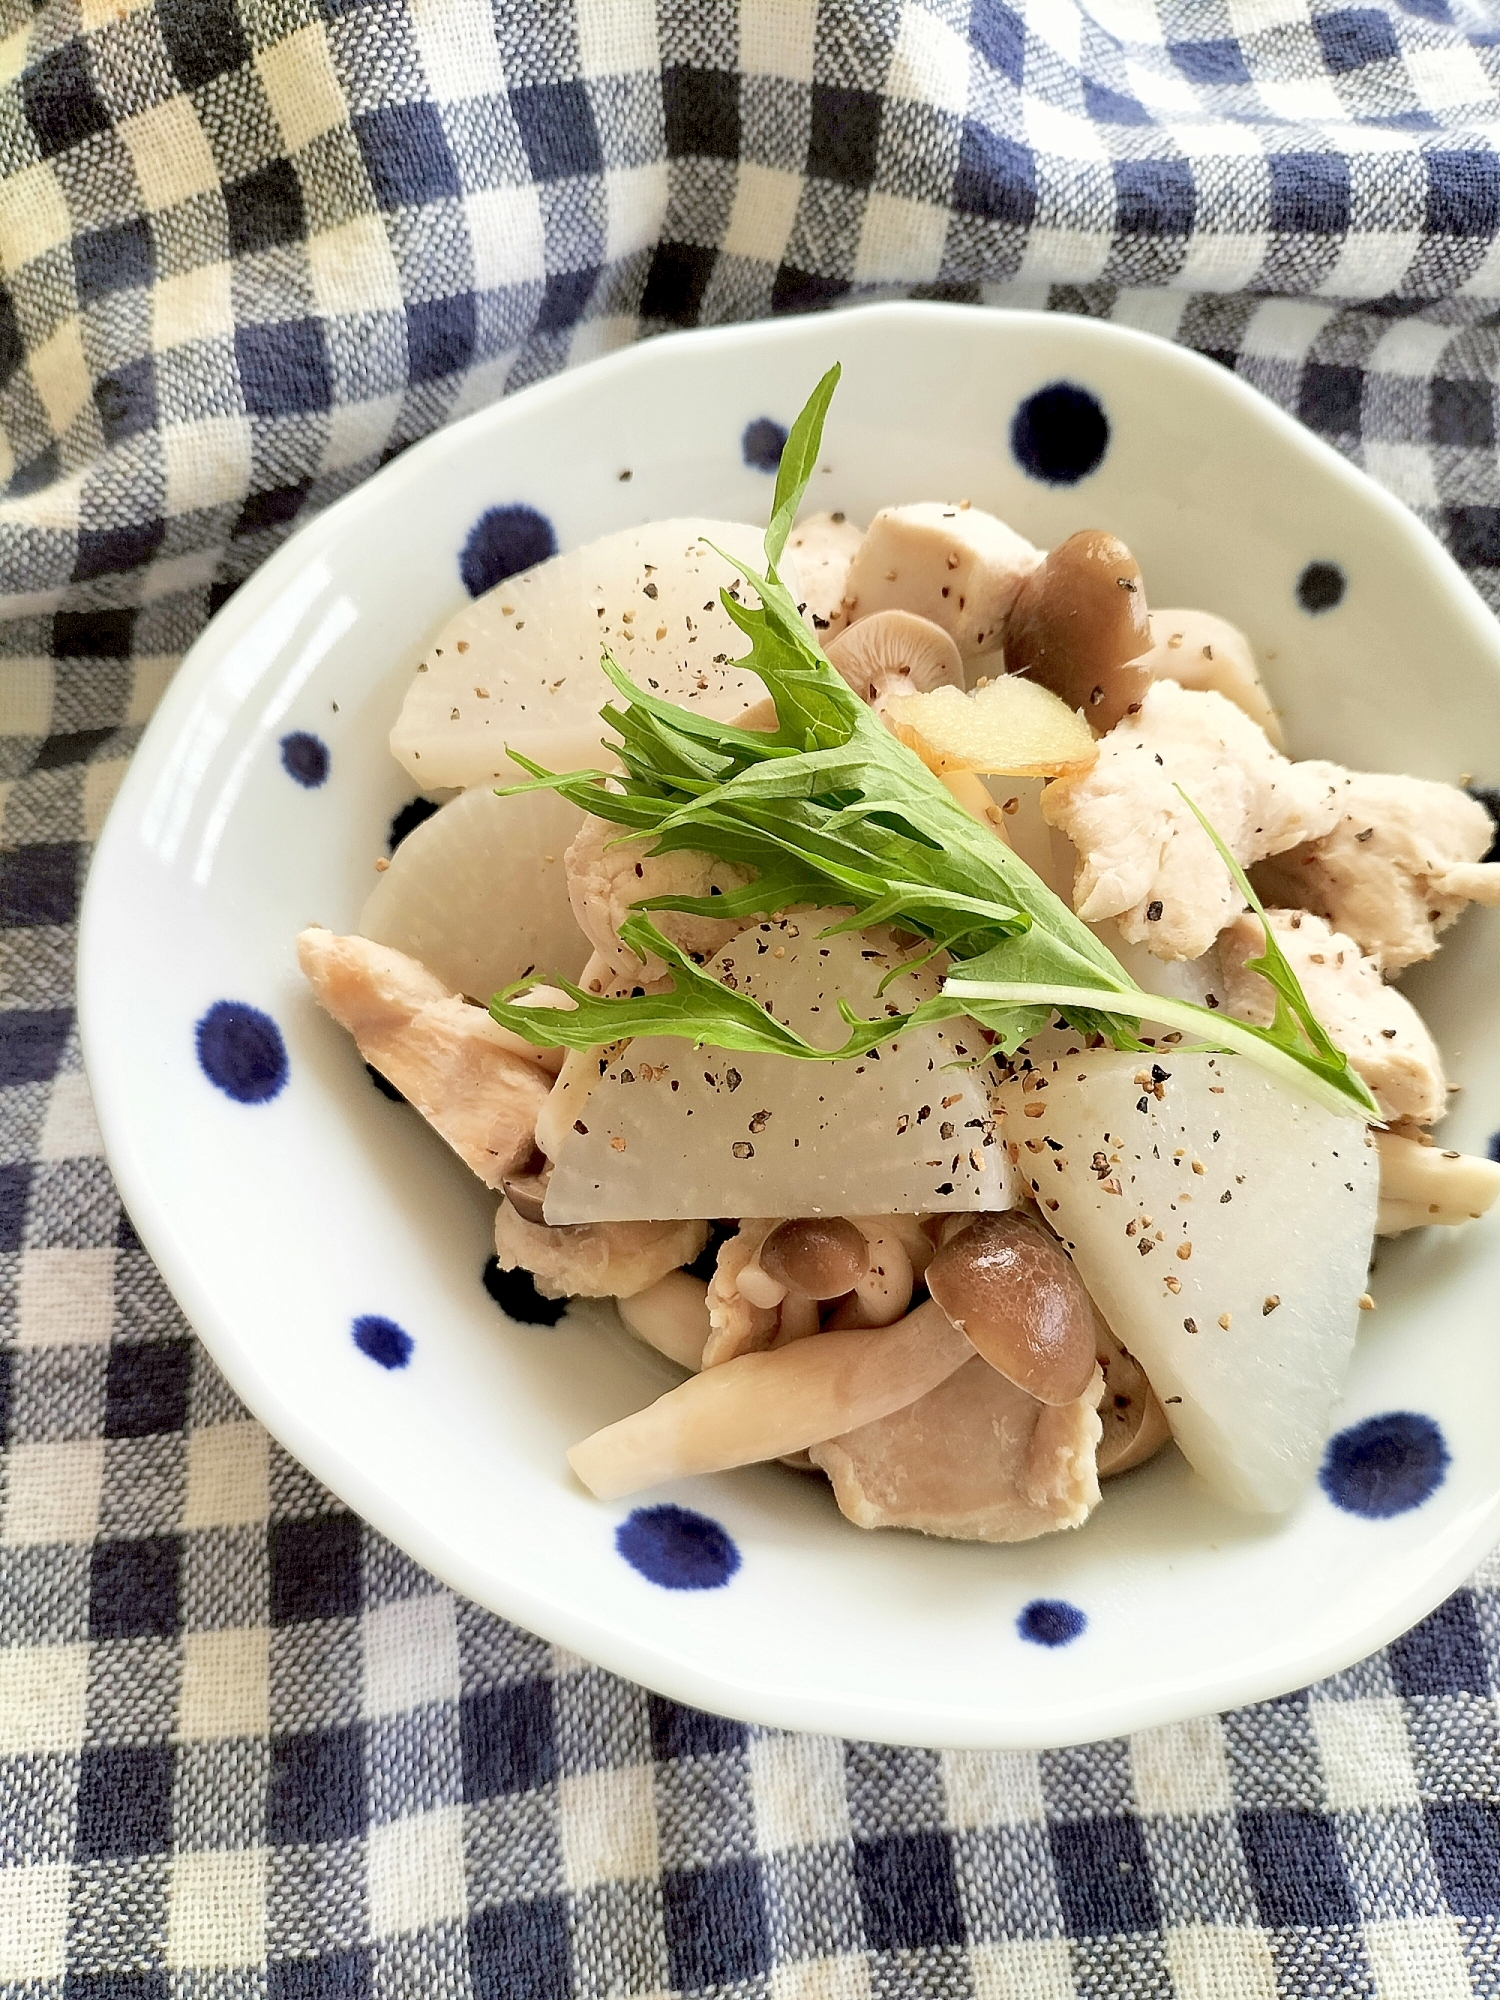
(832, 812)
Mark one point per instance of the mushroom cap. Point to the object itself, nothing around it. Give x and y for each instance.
(1008, 1285)
(1135, 1424)
(527, 1191)
(1079, 624)
(821, 1256)
(895, 652)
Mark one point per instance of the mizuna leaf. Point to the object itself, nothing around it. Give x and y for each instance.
(832, 812)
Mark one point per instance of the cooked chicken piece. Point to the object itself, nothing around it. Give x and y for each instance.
(975, 1459)
(595, 1260)
(609, 869)
(449, 1060)
(551, 1057)
(1145, 859)
(1421, 1184)
(1398, 864)
(762, 1406)
(956, 565)
(822, 548)
(1198, 650)
(370, 989)
(1378, 1029)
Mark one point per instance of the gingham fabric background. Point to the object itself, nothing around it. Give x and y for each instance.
(250, 249)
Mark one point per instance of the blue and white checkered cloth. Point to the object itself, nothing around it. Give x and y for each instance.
(252, 248)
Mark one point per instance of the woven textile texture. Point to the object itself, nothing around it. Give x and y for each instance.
(252, 248)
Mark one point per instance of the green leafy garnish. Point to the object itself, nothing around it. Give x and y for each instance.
(831, 811)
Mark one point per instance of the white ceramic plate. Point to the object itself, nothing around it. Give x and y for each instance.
(281, 1223)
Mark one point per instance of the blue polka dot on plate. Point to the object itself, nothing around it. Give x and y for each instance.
(383, 1084)
(1386, 1465)
(677, 1548)
(1050, 1621)
(412, 815)
(515, 1292)
(1060, 434)
(382, 1340)
(240, 1050)
(1321, 586)
(305, 758)
(501, 543)
(763, 442)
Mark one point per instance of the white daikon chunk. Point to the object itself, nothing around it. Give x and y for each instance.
(479, 893)
(673, 1131)
(1224, 1228)
(520, 666)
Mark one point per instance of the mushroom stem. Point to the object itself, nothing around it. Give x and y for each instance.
(799, 1318)
(527, 1192)
(759, 1287)
(762, 1406)
(1134, 1423)
(1476, 881)
(671, 1316)
(907, 1229)
(883, 1294)
(1423, 1184)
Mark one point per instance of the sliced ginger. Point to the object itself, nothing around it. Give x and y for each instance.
(1010, 727)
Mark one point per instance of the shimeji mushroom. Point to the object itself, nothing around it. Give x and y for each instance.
(1007, 1283)
(1423, 1183)
(762, 1406)
(671, 1316)
(772, 1279)
(527, 1192)
(1078, 624)
(883, 1293)
(1134, 1422)
(895, 653)
(736, 1324)
(803, 1262)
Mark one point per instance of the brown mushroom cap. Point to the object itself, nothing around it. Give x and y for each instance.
(821, 1256)
(1011, 1288)
(1078, 625)
(527, 1191)
(895, 652)
(1135, 1424)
